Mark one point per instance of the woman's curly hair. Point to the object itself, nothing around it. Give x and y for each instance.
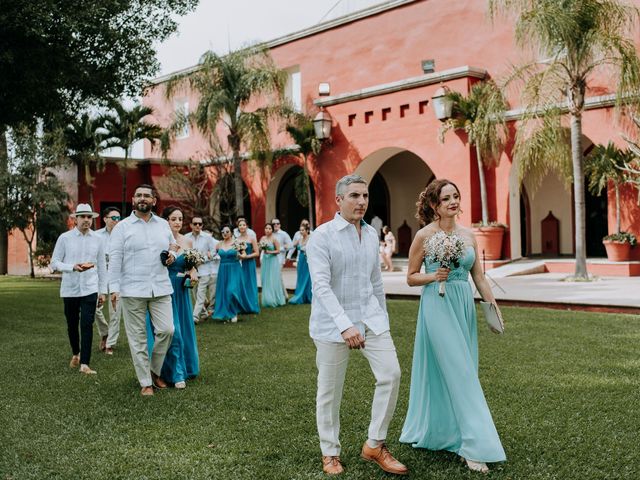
(431, 196)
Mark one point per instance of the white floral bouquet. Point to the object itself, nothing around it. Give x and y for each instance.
(239, 246)
(192, 258)
(264, 245)
(446, 249)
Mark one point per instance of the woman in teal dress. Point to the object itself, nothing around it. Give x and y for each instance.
(303, 280)
(249, 283)
(273, 294)
(229, 277)
(181, 361)
(447, 408)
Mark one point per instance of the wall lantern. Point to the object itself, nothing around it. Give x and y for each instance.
(322, 124)
(442, 105)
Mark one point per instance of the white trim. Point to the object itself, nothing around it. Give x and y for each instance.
(590, 103)
(406, 84)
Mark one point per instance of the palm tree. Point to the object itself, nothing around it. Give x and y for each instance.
(229, 87)
(125, 127)
(576, 39)
(84, 138)
(608, 164)
(303, 134)
(481, 115)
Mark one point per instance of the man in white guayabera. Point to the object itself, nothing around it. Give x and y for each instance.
(140, 248)
(207, 272)
(349, 311)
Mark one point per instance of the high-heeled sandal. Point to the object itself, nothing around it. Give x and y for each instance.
(474, 466)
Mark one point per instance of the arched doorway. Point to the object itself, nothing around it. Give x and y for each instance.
(525, 223)
(291, 196)
(596, 212)
(378, 200)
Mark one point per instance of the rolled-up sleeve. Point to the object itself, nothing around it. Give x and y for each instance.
(57, 264)
(318, 257)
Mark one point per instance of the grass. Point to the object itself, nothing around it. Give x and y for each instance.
(562, 387)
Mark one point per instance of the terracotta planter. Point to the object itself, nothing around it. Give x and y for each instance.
(490, 241)
(617, 251)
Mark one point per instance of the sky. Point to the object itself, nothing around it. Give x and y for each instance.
(220, 25)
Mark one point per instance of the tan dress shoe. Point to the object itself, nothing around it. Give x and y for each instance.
(158, 382)
(331, 465)
(75, 361)
(103, 343)
(86, 370)
(383, 458)
(146, 391)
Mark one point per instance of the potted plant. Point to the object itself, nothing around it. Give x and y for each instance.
(480, 115)
(604, 165)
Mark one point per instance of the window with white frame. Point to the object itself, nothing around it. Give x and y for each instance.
(293, 88)
(181, 109)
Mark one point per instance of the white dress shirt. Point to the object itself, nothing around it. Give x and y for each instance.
(105, 236)
(135, 269)
(285, 244)
(206, 244)
(251, 233)
(71, 248)
(346, 280)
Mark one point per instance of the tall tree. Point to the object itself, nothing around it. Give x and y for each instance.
(241, 91)
(85, 139)
(573, 40)
(304, 135)
(30, 184)
(126, 126)
(481, 115)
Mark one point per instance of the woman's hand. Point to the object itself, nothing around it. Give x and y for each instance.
(442, 274)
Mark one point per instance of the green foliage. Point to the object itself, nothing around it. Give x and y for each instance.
(56, 55)
(606, 164)
(561, 385)
(621, 237)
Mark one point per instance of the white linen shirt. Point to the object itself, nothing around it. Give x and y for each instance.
(105, 236)
(205, 243)
(285, 244)
(71, 248)
(135, 269)
(346, 281)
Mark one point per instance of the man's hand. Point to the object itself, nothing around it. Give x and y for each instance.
(81, 267)
(170, 260)
(101, 299)
(353, 338)
(114, 299)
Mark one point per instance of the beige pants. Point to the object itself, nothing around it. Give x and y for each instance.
(109, 328)
(205, 293)
(134, 311)
(332, 359)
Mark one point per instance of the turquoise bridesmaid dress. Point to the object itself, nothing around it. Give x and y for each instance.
(272, 288)
(249, 285)
(303, 281)
(228, 286)
(447, 408)
(181, 361)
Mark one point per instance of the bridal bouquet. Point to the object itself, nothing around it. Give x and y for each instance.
(239, 245)
(446, 249)
(192, 258)
(264, 245)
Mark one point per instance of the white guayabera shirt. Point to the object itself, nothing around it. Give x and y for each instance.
(346, 280)
(135, 269)
(71, 248)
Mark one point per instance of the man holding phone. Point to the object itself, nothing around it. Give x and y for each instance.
(79, 255)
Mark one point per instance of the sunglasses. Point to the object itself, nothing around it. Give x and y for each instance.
(276, 223)
(196, 223)
(114, 218)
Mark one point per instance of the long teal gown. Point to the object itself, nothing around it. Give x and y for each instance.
(272, 288)
(249, 285)
(303, 280)
(228, 286)
(447, 408)
(182, 361)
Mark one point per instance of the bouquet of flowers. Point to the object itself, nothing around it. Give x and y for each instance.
(264, 245)
(239, 246)
(192, 258)
(445, 248)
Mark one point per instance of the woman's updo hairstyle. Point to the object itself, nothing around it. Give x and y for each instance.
(431, 196)
(168, 210)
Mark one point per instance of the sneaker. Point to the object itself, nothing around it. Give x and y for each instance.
(180, 385)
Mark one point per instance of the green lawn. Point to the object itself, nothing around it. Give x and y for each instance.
(563, 388)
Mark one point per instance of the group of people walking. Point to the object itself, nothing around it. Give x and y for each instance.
(150, 266)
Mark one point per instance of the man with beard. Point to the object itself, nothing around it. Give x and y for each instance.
(139, 250)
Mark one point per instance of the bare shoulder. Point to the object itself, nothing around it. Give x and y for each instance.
(427, 231)
(467, 234)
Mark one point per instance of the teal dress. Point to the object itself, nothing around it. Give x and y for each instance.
(272, 288)
(447, 408)
(303, 280)
(181, 361)
(249, 285)
(228, 286)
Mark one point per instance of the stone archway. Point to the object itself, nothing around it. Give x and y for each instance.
(282, 201)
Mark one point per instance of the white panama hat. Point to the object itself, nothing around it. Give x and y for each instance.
(84, 209)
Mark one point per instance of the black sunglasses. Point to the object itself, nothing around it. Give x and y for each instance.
(196, 223)
(114, 218)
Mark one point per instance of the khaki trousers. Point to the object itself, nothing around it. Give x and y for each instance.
(134, 311)
(331, 360)
(109, 328)
(205, 294)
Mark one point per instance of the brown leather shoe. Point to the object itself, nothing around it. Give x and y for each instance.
(108, 351)
(103, 343)
(158, 382)
(331, 465)
(383, 458)
(146, 391)
(75, 361)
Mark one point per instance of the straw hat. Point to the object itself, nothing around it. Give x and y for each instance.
(84, 209)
